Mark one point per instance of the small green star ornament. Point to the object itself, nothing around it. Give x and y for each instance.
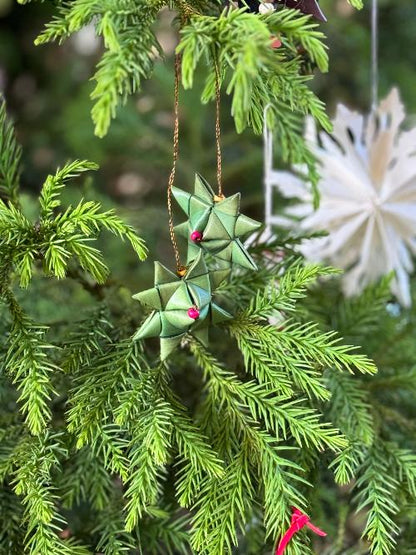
(181, 305)
(215, 224)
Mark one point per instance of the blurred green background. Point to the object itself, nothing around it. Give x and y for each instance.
(47, 89)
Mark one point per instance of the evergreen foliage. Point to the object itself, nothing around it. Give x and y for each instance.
(104, 449)
(91, 419)
(375, 415)
(234, 43)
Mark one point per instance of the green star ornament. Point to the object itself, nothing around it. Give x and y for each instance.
(215, 224)
(181, 305)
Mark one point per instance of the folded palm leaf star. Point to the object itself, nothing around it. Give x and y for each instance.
(215, 224)
(181, 305)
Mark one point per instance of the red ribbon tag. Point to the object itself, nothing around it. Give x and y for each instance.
(299, 521)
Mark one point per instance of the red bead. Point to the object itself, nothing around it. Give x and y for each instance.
(276, 43)
(196, 236)
(193, 313)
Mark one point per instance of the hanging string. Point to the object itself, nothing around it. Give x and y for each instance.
(218, 129)
(268, 171)
(374, 55)
(180, 268)
(171, 181)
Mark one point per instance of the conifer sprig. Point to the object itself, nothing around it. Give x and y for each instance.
(29, 365)
(252, 452)
(10, 157)
(252, 63)
(37, 457)
(59, 237)
(256, 75)
(373, 414)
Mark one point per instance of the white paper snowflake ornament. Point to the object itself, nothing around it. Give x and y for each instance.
(368, 197)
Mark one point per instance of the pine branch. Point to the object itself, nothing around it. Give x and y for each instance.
(49, 198)
(10, 158)
(166, 533)
(85, 479)
(37, 459)
(377, 490)
(114, 540)
(283, 293)
(28, 363)
(196, 457)
(350, 408)
(252, 65)
(130, 44)
(223, 504)
(149, 452)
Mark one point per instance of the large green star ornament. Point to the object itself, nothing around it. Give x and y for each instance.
(181, 305)
(215, 225)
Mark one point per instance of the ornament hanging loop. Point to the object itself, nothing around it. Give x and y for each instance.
(179, 268)
(374, 55)
(220, 195)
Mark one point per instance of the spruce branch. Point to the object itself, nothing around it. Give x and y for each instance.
(29, 365)
(10, 158)
(86, 340)
(223, 504)
(404, 462)
(251, 67)
(58, 238)
(196, 457)
(350, 407)
(346, 464)
(11, 511)
(283, 293)
(145, 472)
(256, 74)
(90, 401)
(49, 196)
(130, 47)
(312, 344)
(282, 416)
(299, 29)
(84, 479)
(38, 456)
(166, 533)
(114, 539)
(377, 493)
(239, 438)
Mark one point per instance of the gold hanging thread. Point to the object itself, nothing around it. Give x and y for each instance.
(220, 196)
(181, 270)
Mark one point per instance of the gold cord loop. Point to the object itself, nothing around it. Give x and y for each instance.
(179, 267)
(218, 130)
(172, 175)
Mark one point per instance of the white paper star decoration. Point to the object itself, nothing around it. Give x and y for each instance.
(368, 197)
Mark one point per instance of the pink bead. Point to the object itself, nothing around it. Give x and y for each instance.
(196, 236)
(276, 43)
(193, 313)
